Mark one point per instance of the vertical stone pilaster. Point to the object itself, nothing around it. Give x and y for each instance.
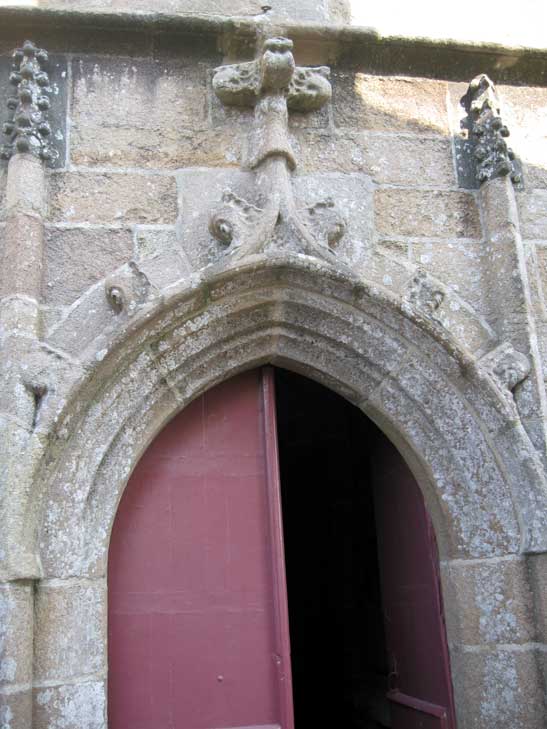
(506, 275)
(511, 301)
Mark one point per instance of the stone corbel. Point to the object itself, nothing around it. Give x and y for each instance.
(273, 85)
(27, 128)
(507, 366)
(487, 133)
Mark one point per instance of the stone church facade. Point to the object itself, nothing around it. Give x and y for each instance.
(189, 192)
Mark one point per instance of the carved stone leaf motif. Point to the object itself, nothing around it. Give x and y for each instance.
(273, 84)
(127, 290)
(27, 128)
(309, 89)
(487, 132)
(506, 365)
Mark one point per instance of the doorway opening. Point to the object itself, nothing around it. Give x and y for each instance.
(338, 648)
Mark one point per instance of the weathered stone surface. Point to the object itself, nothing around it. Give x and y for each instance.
(117, 198)
(389, 103)
(408, 160)
(425, 213)
(205, 7)
(525, 112)
(15, 635)
(3, 184)
(16, 709)
(489, 602)
(25, 191)
(74, 706)
(533, 213)
(325, 151)
(21, 256)
(501, 688)
(75, 259)
(457, 263)
(70, 630)
(159, 118)
(537, 568)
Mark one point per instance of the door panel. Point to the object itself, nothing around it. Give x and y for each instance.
(420, 683)
(198, 635)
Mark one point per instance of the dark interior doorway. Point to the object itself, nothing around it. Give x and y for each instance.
(339, 660)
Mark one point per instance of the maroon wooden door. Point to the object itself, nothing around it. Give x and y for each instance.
(420, 683)
(198, 627)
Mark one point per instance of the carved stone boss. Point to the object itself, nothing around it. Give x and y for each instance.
(273, 84)
(487, 132)
(27, 128)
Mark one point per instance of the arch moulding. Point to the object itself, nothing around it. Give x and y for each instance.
(395, 358)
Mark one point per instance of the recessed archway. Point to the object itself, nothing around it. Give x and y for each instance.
(457, 432)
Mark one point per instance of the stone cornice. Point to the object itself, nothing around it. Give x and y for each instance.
(419, 56)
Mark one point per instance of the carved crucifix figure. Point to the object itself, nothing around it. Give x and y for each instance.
(273, 84)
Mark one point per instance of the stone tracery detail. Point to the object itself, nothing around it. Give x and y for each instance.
(273, 84)
(487, 132)
(27, 128)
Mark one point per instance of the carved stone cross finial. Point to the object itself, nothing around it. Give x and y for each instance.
(273, 85)
(488, 132)
(27, 128)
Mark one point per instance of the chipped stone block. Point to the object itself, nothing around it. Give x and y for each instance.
(113, 198)
(15, 634)
(389, 103)
(74, 706)
(75, 259)
(70, 630)
(407, 160)
(488, 602)
(426, 213)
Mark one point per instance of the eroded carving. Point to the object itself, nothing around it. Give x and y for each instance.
(28, 129)
(425, 294)
(487, 132)
(273, 84)
(506, 365)
(127, 290)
